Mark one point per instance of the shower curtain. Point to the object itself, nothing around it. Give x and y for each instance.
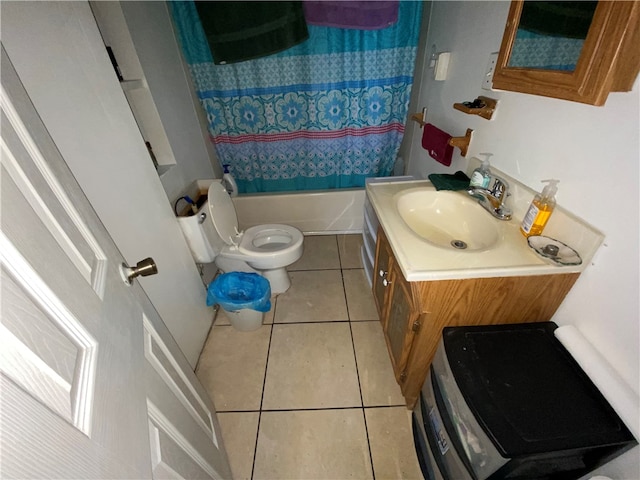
(326, 113)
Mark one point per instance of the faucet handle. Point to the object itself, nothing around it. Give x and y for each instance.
(500, 187)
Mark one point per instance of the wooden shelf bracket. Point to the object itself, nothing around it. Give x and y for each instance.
(462, 142)
(417, 117)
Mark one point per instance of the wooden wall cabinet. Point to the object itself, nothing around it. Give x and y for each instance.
(413, 314)
(609, 60)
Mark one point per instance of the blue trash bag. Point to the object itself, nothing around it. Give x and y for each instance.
(238, 290)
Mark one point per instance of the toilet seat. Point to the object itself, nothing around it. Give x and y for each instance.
(223, 214)
(263, 246)
(271, 245)
(267, 240)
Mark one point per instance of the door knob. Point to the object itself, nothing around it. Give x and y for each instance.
(143, 268)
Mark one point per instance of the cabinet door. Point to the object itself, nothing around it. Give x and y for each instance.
(402, 323)
(606, 62)
(384, 259)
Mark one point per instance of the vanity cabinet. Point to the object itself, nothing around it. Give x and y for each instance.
(413, 314)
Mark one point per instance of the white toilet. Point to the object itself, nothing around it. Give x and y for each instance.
(213, 236)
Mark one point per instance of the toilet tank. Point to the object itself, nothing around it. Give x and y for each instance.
(201, 235)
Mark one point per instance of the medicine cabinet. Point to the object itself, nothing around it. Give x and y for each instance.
(599, 41)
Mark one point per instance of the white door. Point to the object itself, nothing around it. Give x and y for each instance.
(58, 52)
(92, 385)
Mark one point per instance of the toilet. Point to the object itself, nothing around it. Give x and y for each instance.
(212, 235)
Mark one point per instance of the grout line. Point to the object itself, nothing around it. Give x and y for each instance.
(264, 381)
(338, 248)
(366, 430)
(364, 416)
(395, 405)
(355, 359)
(237, 411)
(314, 409)
(315, 321)
(344, 294)
(315, 270)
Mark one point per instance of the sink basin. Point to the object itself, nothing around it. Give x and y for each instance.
(447, 219)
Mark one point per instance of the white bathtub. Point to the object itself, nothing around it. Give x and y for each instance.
(314, 213)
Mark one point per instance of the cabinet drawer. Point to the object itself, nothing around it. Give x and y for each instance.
(370, 219)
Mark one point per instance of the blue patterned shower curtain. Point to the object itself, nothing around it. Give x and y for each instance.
(327, 113)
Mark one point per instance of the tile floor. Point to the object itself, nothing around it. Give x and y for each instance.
(311, 394)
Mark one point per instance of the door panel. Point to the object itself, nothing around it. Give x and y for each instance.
(159, 358)
(184, 432)
(45, 349)
(170, 460)
(27, 168)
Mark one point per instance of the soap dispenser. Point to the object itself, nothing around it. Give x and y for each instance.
(229, 182)
(540, 210)
(481, 176)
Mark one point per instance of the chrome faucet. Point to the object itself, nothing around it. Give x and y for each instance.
(493, 199)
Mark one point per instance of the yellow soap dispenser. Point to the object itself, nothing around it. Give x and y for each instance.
(540, 210)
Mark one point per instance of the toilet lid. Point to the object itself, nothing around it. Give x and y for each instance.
(222, 212)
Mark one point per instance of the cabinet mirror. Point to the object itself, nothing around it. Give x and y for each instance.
(578, 51)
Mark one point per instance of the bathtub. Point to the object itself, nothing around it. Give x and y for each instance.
(314, 213)
(320, 212)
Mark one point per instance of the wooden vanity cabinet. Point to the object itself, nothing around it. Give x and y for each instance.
(413, 314)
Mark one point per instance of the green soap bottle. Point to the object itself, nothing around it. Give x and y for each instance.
(481, 176)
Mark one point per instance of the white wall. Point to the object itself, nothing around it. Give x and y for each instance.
(593, 151)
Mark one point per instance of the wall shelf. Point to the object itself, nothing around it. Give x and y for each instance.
(114, 30)
(128, 85)
(162, 169)
(486, 111)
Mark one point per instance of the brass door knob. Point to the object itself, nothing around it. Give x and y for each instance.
(143, 268)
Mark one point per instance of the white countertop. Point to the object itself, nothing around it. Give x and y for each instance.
(421, 260)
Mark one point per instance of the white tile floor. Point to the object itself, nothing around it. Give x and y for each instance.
(311, 394)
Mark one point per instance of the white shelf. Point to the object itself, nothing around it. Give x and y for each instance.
(115, 33)
(162, 169)
(129, 85)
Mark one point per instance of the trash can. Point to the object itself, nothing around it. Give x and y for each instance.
(244, 297)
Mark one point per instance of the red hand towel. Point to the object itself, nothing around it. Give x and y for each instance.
(436, 143)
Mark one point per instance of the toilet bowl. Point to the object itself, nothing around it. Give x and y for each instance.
(213, 236)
